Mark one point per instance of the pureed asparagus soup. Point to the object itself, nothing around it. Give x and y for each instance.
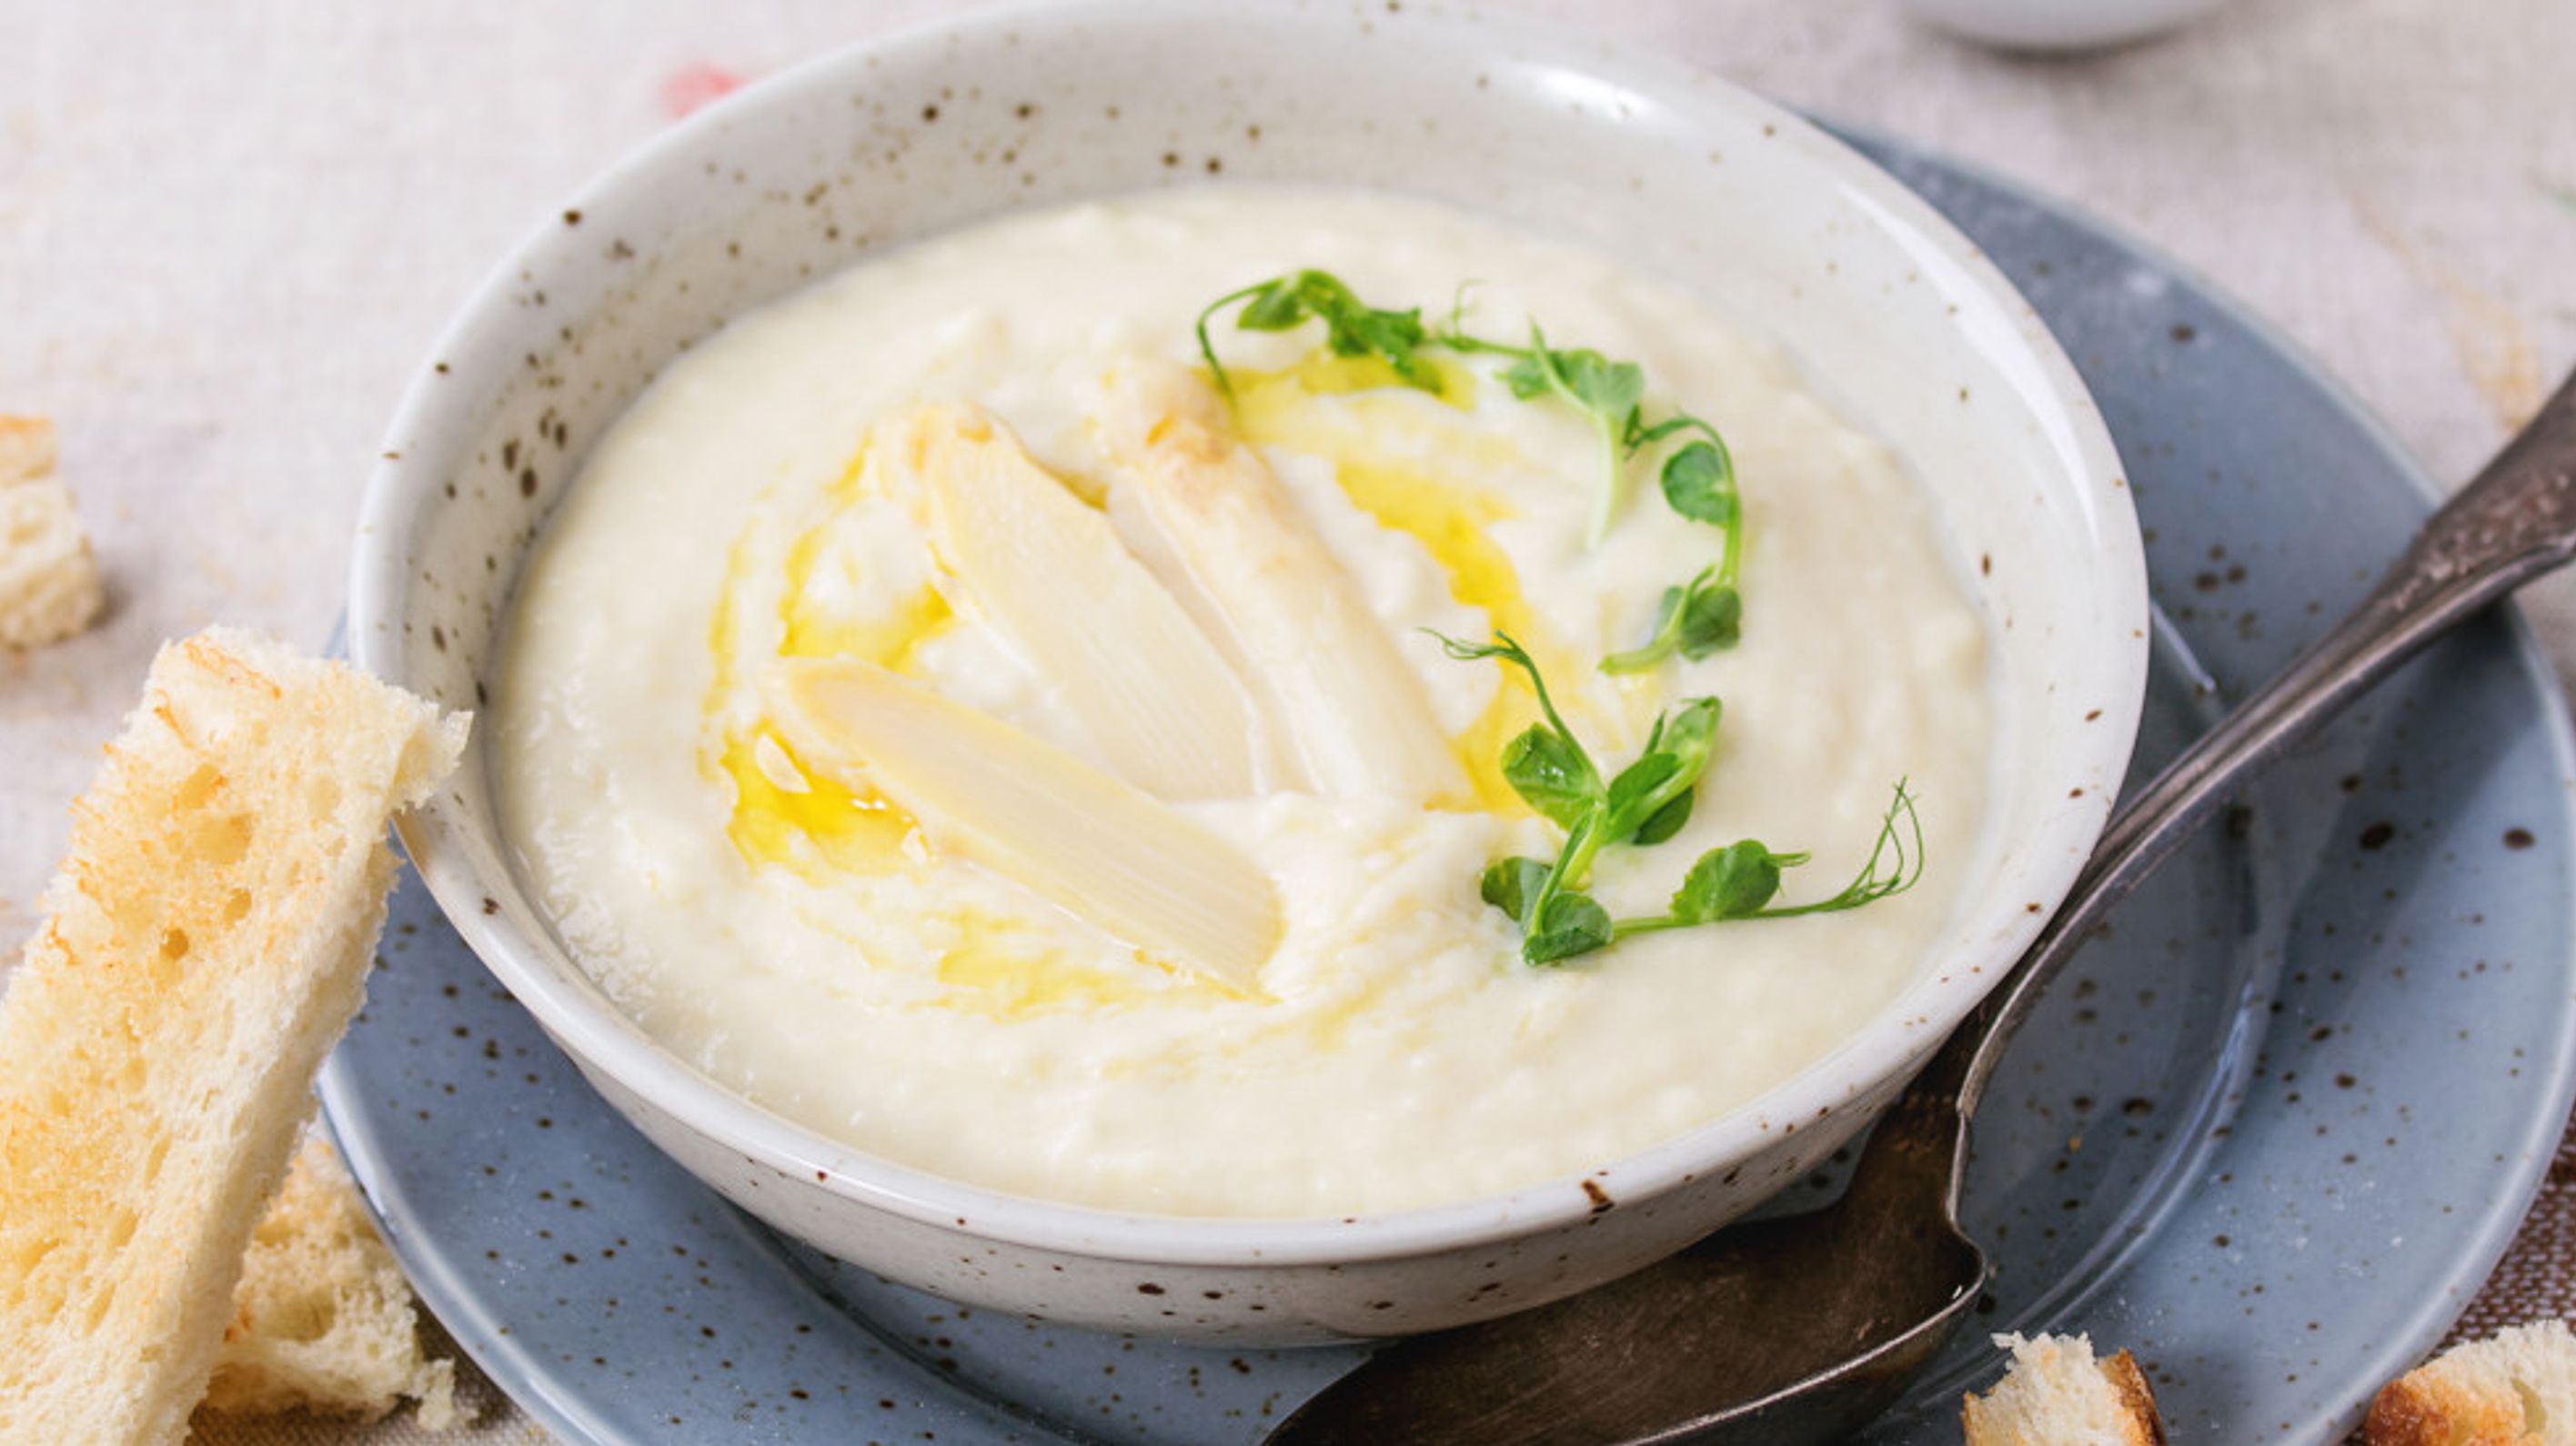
(1477, 717)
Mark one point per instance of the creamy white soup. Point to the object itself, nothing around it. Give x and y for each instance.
(946, 714)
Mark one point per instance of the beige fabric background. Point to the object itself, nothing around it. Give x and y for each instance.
(227, 233)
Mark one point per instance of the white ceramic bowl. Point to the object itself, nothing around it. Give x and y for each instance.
(1897, 318)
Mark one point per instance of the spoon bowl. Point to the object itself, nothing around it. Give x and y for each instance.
(1877, 1281)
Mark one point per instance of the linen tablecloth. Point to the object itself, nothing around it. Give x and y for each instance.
(227, 233)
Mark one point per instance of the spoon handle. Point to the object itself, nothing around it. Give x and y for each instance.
(2516, 521)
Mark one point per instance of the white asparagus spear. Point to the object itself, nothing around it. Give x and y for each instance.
(1157, 698)
(1344, 700)
(1033, 813)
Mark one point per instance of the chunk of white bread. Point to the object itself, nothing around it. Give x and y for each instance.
(323, 1319)
(49, 587)
(1086, 840)
(2057, 1394)
(2515, 1388)
(1155, 696)
(1344, 700)
(204, 944)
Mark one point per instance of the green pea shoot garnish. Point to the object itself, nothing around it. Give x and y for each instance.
(1642, 805)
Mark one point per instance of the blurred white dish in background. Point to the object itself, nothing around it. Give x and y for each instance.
(2058, 24)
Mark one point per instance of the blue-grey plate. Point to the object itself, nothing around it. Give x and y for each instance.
(2270, 1134)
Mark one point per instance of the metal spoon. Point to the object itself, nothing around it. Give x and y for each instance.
(1800, 1330)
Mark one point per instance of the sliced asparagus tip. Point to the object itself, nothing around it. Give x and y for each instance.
(1050, 573)
(1329, 676)
(1033, 813)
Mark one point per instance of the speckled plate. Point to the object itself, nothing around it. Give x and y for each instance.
(2270, 1134)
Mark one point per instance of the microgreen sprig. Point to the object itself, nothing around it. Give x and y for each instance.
(1642, 805)
(1352, 328)
(1696, 619)
(1697, 478)
(1740, 880)
(1607, 392)
(1705, 615)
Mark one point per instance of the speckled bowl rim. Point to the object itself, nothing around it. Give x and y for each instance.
(604, 1040)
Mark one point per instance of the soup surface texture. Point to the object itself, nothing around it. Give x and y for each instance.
(800, 937)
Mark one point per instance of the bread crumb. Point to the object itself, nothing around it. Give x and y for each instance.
(49, 585)
(2057, 1394)
(26, 449)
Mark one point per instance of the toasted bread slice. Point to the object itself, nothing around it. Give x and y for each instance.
(205, 943)
(2057, 1394)
(49, 588)
(323, 1319)
(2515, 1388)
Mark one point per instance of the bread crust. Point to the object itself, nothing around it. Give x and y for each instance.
(204, 944)
(2421, 1408)
(2137, 1399)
